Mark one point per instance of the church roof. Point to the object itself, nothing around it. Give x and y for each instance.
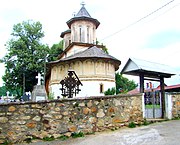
(83, 15)
(91, 52)
(65, 32)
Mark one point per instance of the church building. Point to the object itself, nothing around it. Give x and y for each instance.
(94, 68)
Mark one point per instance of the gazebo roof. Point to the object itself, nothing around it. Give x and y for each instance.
(149, 69)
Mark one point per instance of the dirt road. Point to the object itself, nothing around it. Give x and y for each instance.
(164, 133)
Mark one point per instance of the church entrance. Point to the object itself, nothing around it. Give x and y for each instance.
(153, 105)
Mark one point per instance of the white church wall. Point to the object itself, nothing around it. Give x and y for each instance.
(89, 88)
(67, 40)
(92, 88)
(55, 90)
(75, 49)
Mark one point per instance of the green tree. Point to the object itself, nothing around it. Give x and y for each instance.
(111, 91)
(55, 51)
(2, 91)
(123, 84)
(104, 48)
(23, 59)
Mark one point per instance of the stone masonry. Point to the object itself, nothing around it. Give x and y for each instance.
(176, 105)
(19, 121)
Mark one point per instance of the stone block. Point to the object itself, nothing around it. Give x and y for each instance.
(116, 120)
(65, 113)
(93, 109)
(68, 134)
(25, 117)
(100, 122)
(21, 122)
(85, 111)
(31, 125)
(36, 118)
(92, 120)
(111, 109)
(2, 141)
(72, 128)
(100, 113)
(3, 120)
(58, 116)
(10, 133)
(57, 109)
(11, 109)
(82, 104)
(89, 104)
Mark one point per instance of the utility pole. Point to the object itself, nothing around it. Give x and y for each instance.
(45, 59)
(24, 81)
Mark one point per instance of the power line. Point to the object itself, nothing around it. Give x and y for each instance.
(138, 20)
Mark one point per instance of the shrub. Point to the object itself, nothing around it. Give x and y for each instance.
(51, 138)
(132, 125)
(76, 135)
(63, 137)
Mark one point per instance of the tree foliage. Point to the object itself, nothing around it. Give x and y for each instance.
(25, 51)
(2, 91)
(111, 91)
(55, 50)
(123, 85)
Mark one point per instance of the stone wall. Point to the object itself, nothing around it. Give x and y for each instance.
(176, 105)
(19, 121)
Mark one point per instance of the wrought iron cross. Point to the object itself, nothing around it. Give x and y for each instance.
(70, 85)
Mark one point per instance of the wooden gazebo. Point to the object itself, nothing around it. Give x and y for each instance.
(149, 71)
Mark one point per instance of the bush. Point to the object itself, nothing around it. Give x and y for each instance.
(51, 138)
(132, 125)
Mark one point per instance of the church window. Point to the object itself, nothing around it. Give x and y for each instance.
(101, 88)
(80, 33)
(74, 34)
(87, 34)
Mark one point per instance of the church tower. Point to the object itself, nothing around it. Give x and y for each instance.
(95, 68)
(82, 28)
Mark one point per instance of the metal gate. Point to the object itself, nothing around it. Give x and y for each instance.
(153, 106)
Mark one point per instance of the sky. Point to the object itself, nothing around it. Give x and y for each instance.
(143, 29)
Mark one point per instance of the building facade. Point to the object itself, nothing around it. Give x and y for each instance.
(94, 68)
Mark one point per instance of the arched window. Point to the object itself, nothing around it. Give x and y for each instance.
(80, 34)
(87, 34)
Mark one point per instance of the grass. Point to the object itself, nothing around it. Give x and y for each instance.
(76, 135)
(152, 106)
(6, 143)
(51, 138)
(63, 137)
(145, 123)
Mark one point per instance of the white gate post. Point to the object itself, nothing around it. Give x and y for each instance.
(168, 105)
(143, 106)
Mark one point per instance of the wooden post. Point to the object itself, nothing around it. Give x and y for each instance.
(162, 96)
(141, 76)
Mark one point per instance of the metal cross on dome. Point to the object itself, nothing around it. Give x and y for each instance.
(70, 85)
(83, 3)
